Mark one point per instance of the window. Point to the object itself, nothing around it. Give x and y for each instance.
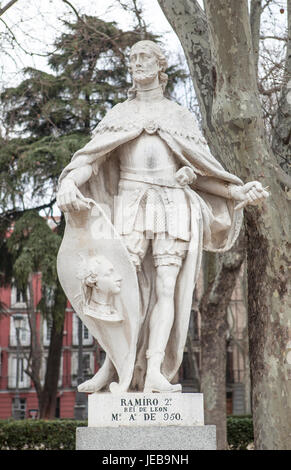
(43, 370)
(22, 407)
(229, 367)
(47, 329)
(23, 378)
(21, 370)
(24, 333)
(18, 298)
(87, 363)
(85, 333)
(87, 337)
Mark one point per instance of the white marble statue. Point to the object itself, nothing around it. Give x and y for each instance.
(146, 193)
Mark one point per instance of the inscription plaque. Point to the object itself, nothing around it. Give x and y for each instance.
(151, 409)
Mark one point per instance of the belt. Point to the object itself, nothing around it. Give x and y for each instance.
(169, 183)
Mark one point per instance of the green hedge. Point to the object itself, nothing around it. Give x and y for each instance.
(240, 432)
(31, 434)
(60, 434)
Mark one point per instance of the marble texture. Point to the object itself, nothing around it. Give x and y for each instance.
(150, 409)
(146, 194)
(147, 438)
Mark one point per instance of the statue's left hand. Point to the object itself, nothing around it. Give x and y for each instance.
(250, 193)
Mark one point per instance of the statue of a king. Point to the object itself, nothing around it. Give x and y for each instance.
(168, 199)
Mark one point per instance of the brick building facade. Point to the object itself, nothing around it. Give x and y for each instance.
(237, 354)
(92, 355)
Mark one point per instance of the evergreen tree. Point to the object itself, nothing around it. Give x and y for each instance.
(89, 76)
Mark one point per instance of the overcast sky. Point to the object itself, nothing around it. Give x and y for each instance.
(36, 24)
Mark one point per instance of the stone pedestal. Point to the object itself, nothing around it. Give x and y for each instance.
(139, 421)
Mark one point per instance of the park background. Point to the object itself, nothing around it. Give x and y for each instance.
(63, 65)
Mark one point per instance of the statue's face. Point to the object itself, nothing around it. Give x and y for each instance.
(108, 280)
(144, 64)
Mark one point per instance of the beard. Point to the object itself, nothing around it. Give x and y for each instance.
(140, 76)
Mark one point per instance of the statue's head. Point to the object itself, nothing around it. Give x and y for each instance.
(98, 273)
(147, 61)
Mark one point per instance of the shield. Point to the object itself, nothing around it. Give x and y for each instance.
(89, 233)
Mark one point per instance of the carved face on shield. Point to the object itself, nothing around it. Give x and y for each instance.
(100, 283)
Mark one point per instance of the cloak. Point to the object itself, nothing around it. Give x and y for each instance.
(215, 224)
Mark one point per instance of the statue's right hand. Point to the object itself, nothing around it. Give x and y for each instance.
(70, 198)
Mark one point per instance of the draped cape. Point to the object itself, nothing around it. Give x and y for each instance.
(215, 224)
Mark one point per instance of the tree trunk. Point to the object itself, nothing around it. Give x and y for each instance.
(239, 129)
(189, 22)
(193, 361)
(194, 37)
(281, 142)
(269, 328)
(7, 6)
(36, 352)
(236, 112)
(49, 393)
(213, 309)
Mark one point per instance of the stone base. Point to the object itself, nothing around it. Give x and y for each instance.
(146, 438)
(151, 421)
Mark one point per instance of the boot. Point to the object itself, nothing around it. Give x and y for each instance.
(155, 381)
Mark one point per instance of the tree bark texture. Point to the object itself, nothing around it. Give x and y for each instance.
(192, 360)
(214, 326)
(36, 351)
(236, 112)
(189, 22)
(7, 6)
(281, 142)
(239, 131)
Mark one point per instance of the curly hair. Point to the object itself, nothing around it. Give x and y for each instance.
(88, 274)
(157, 51)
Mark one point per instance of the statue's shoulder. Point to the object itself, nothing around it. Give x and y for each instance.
(115, 111)
(112, 119)
(179, 111)
(179, 119)
(167, 114)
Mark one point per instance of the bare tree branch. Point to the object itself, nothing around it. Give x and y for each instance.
(282, 135)
(278, 38)
(18, 43)
(255, 21)
(138, 13)
(15, 213)
(72, 7)
(8, 5)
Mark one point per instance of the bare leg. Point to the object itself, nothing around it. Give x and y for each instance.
(161, 322)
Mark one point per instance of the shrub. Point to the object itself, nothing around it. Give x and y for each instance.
(60, 434)
(240, 432)
(39, 434)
